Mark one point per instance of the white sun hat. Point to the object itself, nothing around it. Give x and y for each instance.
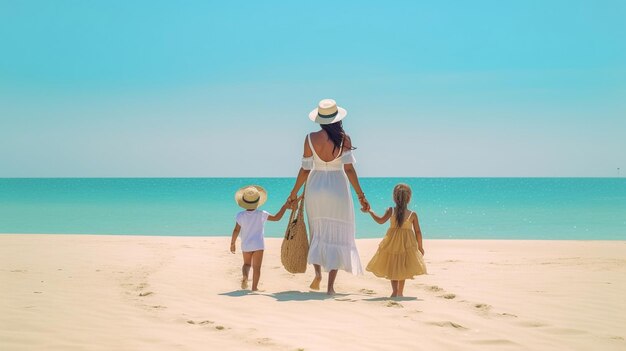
(251, 197)
(327, 112)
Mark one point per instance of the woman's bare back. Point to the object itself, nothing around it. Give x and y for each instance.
(324, 146)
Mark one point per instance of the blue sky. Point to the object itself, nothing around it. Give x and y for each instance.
(202, 88)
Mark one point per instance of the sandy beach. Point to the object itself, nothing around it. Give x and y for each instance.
(80, 292)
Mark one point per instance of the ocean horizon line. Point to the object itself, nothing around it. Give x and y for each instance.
(228, 236)
(293, 177)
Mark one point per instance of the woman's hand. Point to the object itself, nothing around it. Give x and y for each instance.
(290, 204)
(365, 206)
(421, 250)
(232, 247)
(291, 201)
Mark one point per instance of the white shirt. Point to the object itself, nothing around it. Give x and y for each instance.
(252, 225)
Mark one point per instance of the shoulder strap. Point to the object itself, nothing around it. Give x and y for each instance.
(308, 137)
(409, 216)
(340, 149)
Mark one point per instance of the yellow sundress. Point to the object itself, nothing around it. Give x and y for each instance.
(397, 257)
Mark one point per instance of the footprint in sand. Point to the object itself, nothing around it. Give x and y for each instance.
(448, 296)
(533, 324)
(346, 299)
(394, 304)
(147, 293)
(201, 322)
(434, 288)
(493, 342)
(447, 324)
(158, 307)
(482, 307)
(367, 291)
(264, 341)
(219, 327)
(508, 315)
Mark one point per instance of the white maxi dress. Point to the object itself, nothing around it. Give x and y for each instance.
(330, 212)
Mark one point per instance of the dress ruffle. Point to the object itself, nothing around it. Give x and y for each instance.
(332, 247)
(347, 157)
(307, 163)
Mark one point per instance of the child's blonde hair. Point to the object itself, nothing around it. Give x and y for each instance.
(401, 196)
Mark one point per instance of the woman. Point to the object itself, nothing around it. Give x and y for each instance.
(327, 167)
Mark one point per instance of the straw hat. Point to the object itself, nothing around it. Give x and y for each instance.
(327, 112)
(251, 197)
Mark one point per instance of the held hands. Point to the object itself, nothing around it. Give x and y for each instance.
(291, 200)
(290, 204)
(365, 206)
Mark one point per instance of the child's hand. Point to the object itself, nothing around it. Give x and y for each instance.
(232, 248)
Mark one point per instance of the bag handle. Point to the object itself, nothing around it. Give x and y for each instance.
(298, 210)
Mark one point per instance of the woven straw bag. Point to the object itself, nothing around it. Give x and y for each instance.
(295, 247)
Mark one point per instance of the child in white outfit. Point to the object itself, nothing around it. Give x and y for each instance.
(250, 224)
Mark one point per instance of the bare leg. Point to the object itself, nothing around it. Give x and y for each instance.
(315, 285)
(257, 260)
(331, 282)
(394, 288)
(401, 287)
(245, 269)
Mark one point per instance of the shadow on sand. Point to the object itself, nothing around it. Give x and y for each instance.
(403, 298)
(285, 295)
(238, 293)
(301, 296)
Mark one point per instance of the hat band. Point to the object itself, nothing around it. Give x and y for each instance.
(250, 202)
(328, 116)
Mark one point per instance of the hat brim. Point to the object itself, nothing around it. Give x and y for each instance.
(341, 114)
(249, 206)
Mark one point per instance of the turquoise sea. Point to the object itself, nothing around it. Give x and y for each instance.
(463, 208)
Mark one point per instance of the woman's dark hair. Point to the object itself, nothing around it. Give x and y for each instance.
(336, 134)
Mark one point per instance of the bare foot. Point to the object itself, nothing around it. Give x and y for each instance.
(330, 292)
(394, 295)
(244, 283)
(315, 285)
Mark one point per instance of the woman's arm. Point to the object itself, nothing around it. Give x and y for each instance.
(384, 218)
(418, 233)
(233, 239)
(354, 179)
(279, 215)
(303, 174)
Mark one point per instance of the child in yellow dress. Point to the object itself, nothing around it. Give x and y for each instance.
(400, 254)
